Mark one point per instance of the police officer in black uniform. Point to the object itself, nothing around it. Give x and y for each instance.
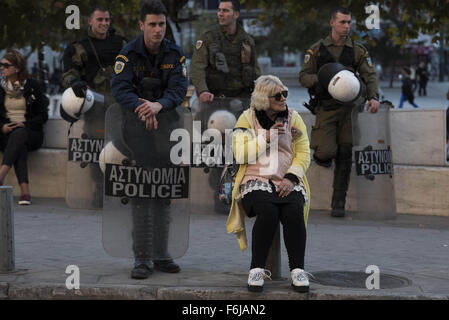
(149, 78)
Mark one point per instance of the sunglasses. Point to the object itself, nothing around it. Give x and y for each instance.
(5, 65)
(278, 95)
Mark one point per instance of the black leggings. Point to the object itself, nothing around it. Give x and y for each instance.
(15, 147)
(269, 214)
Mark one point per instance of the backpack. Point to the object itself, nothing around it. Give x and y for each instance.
(227, 182)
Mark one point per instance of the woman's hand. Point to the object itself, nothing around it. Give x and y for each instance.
(279, 126)
(285, 188)
(18, 125)
(8, 127)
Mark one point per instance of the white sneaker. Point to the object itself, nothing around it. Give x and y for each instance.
(256, 279)
(300, 280)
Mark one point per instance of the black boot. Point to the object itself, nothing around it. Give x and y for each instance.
(338, 208)
(166, 266)
(141, 271)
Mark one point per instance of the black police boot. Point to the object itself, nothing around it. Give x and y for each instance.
(338, 208)
(323, 163)
(168, 266)
(141, 271)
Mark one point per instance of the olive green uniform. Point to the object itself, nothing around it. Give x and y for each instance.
(224, 64)
(331, 136)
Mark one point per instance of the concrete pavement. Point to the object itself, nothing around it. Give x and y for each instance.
(49, 237)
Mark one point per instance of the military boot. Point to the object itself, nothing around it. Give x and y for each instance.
(141, 271)
(338, 207)
(167, 265)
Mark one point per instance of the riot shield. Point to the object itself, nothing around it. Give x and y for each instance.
(84, 182)
(146, 210)
(373, 182)
(212, 146)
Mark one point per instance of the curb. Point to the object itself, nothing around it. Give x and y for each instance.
(46, 291)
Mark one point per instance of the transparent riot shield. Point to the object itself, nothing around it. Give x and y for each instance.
(146, 210)
(212, 147)
(373, 182)
(84, 181)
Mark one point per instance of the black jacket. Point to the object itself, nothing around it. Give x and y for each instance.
(407, 89)
(36, 106)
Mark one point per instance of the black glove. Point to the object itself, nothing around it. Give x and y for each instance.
(79, 87)
(318, 89)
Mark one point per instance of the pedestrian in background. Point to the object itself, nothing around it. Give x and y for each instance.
(407, 89)
(423, 78)
(413, 77)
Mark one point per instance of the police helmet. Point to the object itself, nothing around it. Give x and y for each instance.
(221, 120)
(342, 84)
(110, 154)
(72, 107)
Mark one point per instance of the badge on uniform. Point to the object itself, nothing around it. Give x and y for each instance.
(119, 66)
(199, 44)
(370, 63)
(184, 70)
(306, 58)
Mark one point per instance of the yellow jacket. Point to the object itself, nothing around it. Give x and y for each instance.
(253, 147)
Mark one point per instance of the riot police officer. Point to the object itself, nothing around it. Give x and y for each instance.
(149, 79)
(224, 60)
(88, 62)
(331, 136)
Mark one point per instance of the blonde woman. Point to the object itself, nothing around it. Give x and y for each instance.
(271, 145)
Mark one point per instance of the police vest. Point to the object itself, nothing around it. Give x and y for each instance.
(158, 69)
(241, 75)
(106, 50)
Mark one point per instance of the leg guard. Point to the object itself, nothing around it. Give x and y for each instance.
(142, 232)
(161, 218)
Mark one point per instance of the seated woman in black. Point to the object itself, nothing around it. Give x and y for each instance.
(23, 112)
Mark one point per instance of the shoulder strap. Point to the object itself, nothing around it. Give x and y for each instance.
(95, 53)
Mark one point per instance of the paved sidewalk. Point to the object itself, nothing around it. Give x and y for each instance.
(49, 237)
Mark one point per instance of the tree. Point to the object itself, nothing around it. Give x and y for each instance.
(34, 23)
(425, 16)
(292, 36)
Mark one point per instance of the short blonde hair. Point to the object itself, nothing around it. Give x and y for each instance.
(264, 88)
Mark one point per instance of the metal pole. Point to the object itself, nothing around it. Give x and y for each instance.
(7, 263)
(274, 256)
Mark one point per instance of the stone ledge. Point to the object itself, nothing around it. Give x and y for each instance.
(46, 172)
(419, 189)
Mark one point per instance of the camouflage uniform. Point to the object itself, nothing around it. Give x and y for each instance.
(95, 67)
(225, 64)
(331, 136)
(81, 63)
